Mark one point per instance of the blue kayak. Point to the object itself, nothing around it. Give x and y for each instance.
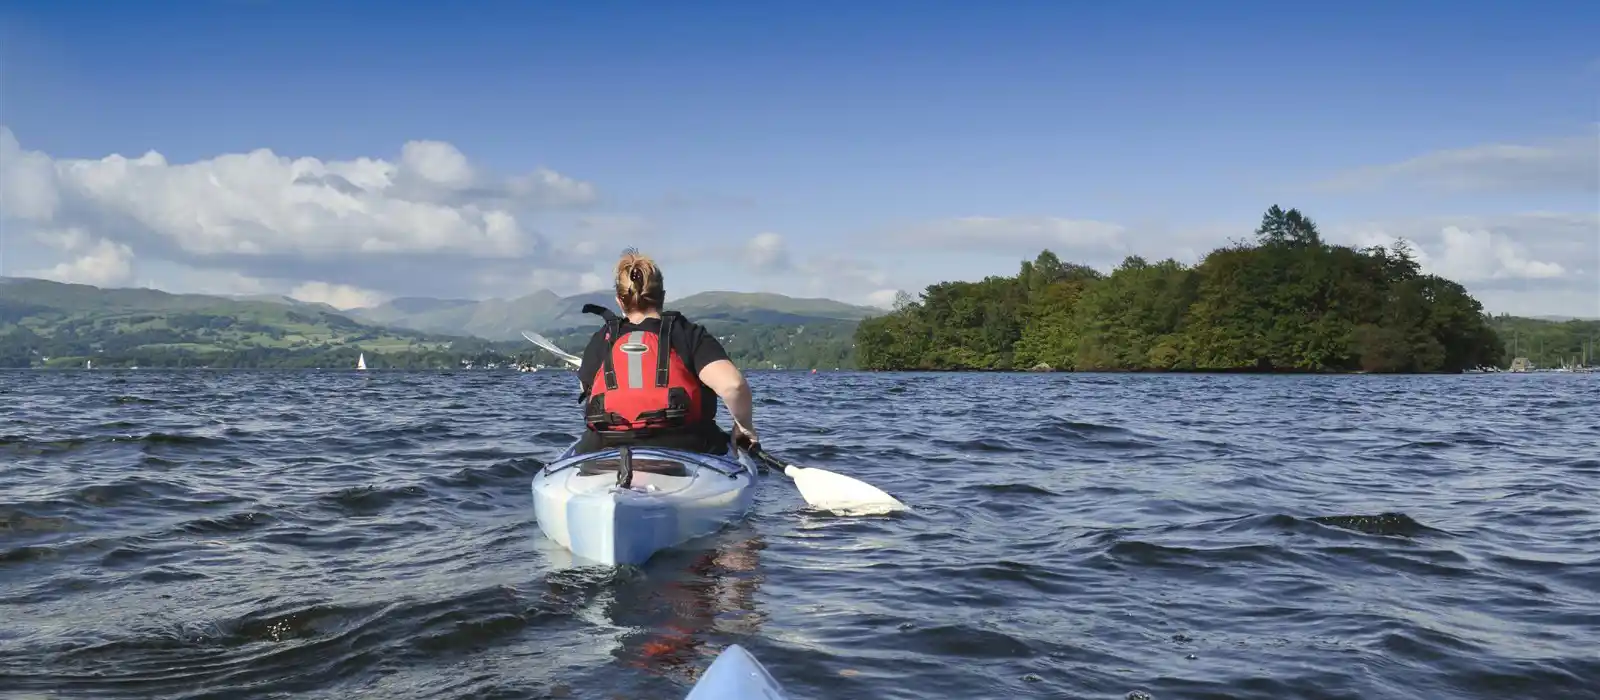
(736, 675)
(622, 505)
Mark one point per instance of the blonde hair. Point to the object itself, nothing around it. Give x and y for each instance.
(639, 283)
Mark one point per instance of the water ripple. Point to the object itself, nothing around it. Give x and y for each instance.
(334, 534)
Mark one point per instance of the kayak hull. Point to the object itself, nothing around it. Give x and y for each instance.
(736, 675)
(674, 496)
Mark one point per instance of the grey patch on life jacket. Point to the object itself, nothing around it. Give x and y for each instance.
(635, 359)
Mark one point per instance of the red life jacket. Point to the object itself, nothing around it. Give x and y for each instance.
(644, 386)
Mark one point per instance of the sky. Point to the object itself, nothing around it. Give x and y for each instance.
(354, 152)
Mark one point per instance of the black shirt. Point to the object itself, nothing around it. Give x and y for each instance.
(693, 342)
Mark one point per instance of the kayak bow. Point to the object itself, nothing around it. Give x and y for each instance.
(736, 675)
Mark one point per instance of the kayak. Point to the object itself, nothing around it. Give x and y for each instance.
(622, 505)
(736, 675)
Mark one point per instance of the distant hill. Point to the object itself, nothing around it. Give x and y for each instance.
(1548, 342)
(1560, 319)
(281, 299)
(735, 303)
(45, 323)
(51, 324)
(545, 312)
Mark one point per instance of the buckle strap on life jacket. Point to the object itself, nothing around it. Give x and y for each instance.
(613, 329)
(664, 349)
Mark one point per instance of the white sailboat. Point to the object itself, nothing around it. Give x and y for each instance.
(361, 362)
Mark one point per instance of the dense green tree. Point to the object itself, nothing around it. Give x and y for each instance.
(1133, 319)
(1285, 301)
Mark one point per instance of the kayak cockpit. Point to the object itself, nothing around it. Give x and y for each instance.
(648, 465)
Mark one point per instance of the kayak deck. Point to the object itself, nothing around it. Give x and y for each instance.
(672, 496)
(736, 675)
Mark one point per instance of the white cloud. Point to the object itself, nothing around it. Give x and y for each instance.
(27, 181)
(339, 296)
(883, 298)
(1558, 165)
(64, 239)
(261, 203)
(428, 222)
(768, 253)
(438, 162)
(838, 277)
(1480, 249)
(95, 261)
(1531, 263)
(1479, 254)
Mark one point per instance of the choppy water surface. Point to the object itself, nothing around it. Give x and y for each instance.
(328, 535)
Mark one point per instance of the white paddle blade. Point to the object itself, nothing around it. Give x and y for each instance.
(832, 491)
(545, 343)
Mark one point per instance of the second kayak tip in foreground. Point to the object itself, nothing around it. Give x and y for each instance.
(736, 675)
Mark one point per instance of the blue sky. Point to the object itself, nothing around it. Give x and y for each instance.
(831, 149)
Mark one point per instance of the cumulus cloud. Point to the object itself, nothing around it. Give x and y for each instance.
(838, 277)
(883, 298)
(339, 296)
(767, 253)
(1555, 166)
(27, 181)
(1478, 255)
(1481, 249)
(94, 261)
(1531, 263)
(274, 216)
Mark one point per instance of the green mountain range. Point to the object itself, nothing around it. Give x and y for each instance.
(545, 312)
(50, 324)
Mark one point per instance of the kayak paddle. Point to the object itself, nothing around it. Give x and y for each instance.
(545, 343)
(819, 487)
(831, 490)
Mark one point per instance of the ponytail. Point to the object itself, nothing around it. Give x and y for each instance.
(639, 283)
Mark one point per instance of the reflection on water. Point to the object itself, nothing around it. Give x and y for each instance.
(678, 619)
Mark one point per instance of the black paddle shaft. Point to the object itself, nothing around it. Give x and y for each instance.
(765, 458)
(625, 467)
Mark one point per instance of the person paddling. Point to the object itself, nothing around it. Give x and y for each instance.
(652, 377)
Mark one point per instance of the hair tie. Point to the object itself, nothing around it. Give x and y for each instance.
(635, 275)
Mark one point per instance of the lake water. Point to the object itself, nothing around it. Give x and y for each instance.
(335, 534)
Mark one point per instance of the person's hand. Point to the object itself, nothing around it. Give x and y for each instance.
(744, 438)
